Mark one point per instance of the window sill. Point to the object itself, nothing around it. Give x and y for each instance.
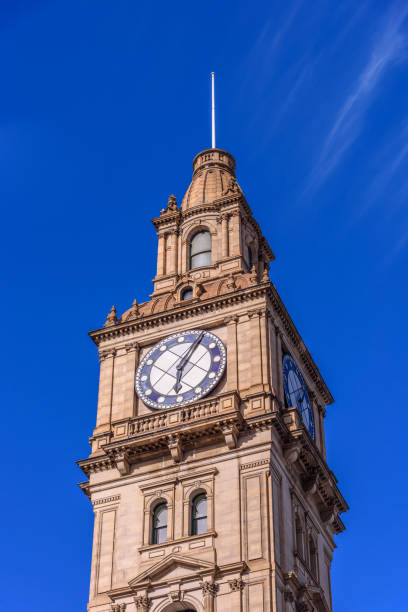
(188, 538)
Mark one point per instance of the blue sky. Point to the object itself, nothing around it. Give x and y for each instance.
(103, 107)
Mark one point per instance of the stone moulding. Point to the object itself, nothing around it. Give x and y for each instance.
(217, 303)
(149, 434)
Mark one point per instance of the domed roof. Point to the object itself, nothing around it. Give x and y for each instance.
(213, 177)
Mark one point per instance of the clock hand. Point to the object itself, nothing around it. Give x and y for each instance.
(177, 386)
(183, 361)
(189, 352)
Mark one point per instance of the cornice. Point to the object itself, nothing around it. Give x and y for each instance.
(296, 339)
(218, 303)
(177, 313)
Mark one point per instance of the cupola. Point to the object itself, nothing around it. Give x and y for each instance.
(213, 177)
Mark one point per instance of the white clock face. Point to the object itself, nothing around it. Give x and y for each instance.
(180, 369)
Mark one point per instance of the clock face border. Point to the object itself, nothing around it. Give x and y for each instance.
(288, 364)
(217, 352)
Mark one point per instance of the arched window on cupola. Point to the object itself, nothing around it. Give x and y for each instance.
(199, 514)
(200, 249)
(159, 524)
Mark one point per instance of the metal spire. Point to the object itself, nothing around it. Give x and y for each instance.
(212, 112)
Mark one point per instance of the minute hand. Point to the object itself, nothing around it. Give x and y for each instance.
(180, 366)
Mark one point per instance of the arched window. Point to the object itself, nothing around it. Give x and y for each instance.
(250, 262)
(159, 524)
(199, 514)
(200, 249)
(299, 537)
(312, 556)
(187, 293)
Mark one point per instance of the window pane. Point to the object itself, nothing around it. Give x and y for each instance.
(160, 516)
(200, 509)
(202, 259)
(187, 293)
(201, 242)
(161, 535)
(200, 526)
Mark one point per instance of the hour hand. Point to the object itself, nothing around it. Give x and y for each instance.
(177, 386)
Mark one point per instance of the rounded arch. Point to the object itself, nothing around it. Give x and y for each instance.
(195, 490)
(189, 603)
(200, 249)
(210, 225)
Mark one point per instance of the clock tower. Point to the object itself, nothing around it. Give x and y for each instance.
(208, 475)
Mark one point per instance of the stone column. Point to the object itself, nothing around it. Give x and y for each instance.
(173, 253)
(105, 387)
(209, 593)
(123, 399)
(161, 255)
(225, 235)
(236, 234)
(256, 353)
(265, 352)
(279, 357)
(232, 353)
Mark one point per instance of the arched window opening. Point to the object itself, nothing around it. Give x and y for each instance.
(199, 514)
(200, 249)
(249, 257)
(312, 556)
(299, 537)
(187, 293)
(159, 524)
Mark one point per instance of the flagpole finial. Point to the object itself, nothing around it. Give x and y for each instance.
(212, 112)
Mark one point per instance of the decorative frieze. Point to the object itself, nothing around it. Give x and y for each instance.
(118, 607)
(106, 500)
(254, 464)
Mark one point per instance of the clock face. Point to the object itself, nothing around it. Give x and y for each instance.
(180, 369)
(296, 392)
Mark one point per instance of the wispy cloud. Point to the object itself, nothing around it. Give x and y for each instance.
(390, 47)
(259, 62)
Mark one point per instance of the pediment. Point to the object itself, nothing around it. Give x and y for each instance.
(173, 566)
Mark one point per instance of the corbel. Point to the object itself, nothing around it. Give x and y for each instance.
(175, 448)
(292, 453)
(309, 481)
(231, 435)
(122, 462)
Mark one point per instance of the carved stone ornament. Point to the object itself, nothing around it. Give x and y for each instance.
(175, 448)
(105, 353)
(265, 275)
(237, 584)
(111, 319)
(254, 276)
(118, 607)
(231, 283)
(142, 602)
(175, 595)
(171, 205)
(209, 588)
(232, 187)
(134, 311)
